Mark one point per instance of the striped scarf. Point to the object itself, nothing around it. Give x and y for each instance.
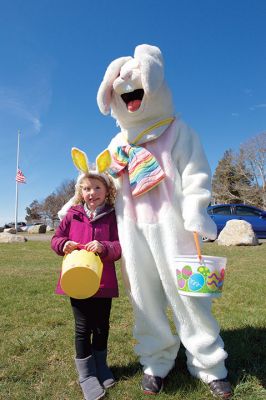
(144, 170)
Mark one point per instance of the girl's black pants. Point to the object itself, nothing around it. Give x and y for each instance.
(92, 317)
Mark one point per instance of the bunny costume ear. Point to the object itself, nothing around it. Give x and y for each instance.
(105, 90)
(151, 67)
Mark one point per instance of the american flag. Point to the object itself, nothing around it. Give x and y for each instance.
(20, 178)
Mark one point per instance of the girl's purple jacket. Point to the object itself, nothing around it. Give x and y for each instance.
(76, 226)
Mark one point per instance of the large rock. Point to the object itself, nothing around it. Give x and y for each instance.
(37, 229)
(10, 230)
(6, 237)
(237, 233)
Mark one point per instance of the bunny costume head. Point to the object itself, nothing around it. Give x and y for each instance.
(135, 91)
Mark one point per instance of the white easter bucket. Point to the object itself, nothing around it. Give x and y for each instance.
(200, 278)
(200, 275)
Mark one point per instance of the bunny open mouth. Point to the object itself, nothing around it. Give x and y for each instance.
(133, 99)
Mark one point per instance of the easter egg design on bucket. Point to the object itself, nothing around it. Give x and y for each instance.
(200, 278)
(196, 282)
(215, 280)
(187, 271)
(181, 281)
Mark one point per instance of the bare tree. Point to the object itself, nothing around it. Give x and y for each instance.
(49, 207)
(34, 212)
(65, 191)
(240, 177)
(254, 155)
(245, 184)
(55, 201)
(224, 188)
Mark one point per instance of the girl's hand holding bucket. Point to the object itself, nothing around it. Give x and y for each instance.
(70, 246)
(95, 246)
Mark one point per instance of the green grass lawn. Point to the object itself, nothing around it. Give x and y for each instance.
(36, 330)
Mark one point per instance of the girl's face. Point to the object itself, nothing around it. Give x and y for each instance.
(93, 192)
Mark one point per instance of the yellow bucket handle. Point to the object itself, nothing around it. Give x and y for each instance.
(81, 247)
(196, 238)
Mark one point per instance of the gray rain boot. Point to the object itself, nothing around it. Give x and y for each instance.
(91, 388)
(104, 374)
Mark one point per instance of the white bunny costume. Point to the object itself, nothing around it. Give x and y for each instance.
(157, 225)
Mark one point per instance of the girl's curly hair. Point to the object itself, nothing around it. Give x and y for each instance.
(111, 190)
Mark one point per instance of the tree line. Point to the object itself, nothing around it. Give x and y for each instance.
(240, 177)
(46, 210)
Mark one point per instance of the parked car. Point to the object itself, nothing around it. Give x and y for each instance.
(221, 213)
(12, 225)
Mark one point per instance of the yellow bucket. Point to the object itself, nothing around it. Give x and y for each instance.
(81, 274)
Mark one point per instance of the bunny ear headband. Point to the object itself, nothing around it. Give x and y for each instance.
(81, 162)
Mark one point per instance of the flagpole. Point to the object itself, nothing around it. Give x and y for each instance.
(16, 206)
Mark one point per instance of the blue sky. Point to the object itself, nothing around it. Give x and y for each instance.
(53, 57)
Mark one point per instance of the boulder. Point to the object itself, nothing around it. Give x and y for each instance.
(37, 229)
(237, 233)
(6, 237)
(49, 228)
(10, 230)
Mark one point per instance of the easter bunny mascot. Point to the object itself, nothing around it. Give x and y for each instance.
(163, 181)
(163, 189)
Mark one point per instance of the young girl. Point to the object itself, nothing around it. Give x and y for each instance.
(91, 221)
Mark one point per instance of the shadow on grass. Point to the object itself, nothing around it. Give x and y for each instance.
(128, 371)
(246, 357)
(246, 349)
